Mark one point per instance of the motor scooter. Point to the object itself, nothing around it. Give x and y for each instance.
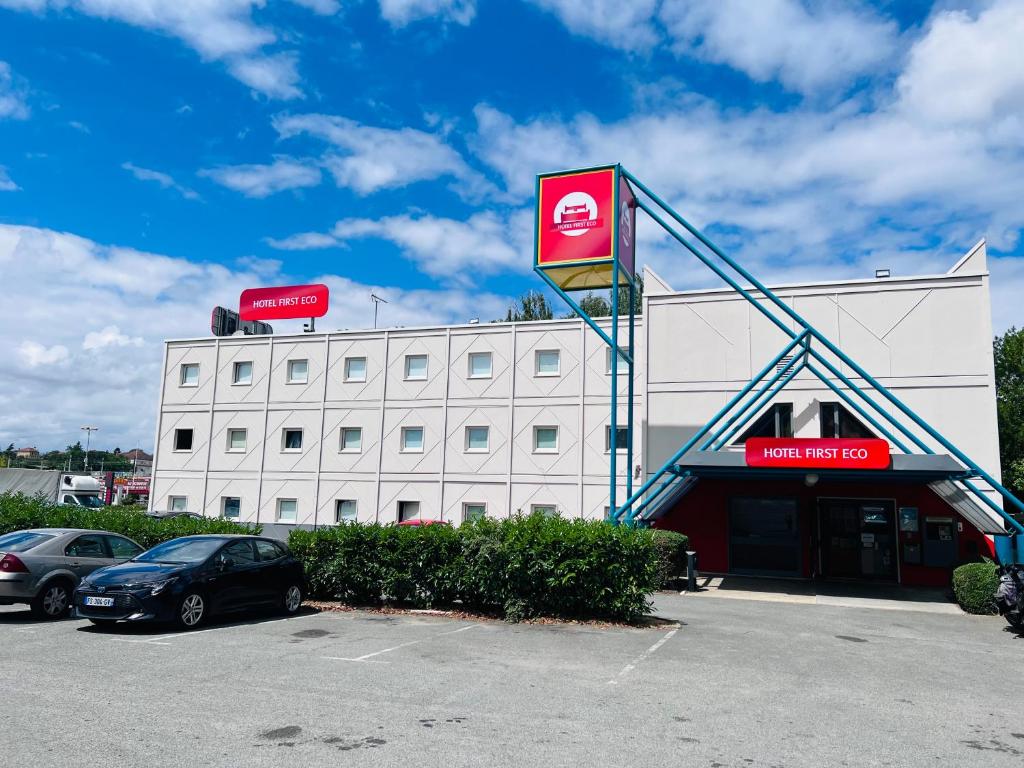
(1009, 595)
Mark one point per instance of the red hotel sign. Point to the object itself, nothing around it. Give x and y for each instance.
(283, 302)
(817, 453)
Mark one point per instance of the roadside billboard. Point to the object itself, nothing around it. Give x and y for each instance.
(585, 221)
(284, 302)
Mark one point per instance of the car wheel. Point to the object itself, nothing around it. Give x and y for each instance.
(53, 600)
(191, 611)
(291, 601)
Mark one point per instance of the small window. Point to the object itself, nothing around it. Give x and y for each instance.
(231, 507)
(298, 371)
(90, 545)
(412, 439)
(291, 440)
(777, 421)
(623, 364)
(547, 510)
(478, 439)
(351, 439)
(183, 439)
(472, 511)
(479, 365)
(241, 552)
(190, 375)
(69, 498)
(242, 373)
(345, 511)
(287, 510)
(177, 503)
(836, 421)
(268, 550)
(547, 362)
(236, 440)
(545, 439)
(408, 510)
(355, 369)
(415, 367)
(123, 549)
(621, 438)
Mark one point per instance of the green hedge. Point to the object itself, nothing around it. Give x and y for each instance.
(672, 547)
(517, 568)
(19, 511)
(975, 586)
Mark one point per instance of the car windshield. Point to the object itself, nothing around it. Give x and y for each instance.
(180, 551)
(93, 502)
(22, 541)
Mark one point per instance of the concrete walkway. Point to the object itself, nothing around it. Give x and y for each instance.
(879, 597)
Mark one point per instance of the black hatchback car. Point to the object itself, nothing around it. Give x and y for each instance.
(187, 580)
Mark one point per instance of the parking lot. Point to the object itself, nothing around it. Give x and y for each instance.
(735, 683)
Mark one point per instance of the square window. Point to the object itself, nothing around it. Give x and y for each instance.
(298, 371)
(623, 365)
(545, 439)
(416, 367)
(291, 439)
(236, 440)
(190, 375)
(621, 438)
(231, 507)
(547, 362)
(242, 373)
(183, 439)
(287, 510)
(472, 511)
(355, 369)
(177, 503)
(548, 510)
(351, 439)
(345, 511)
(408, 510)
(412, 439)
(479, 365)
(478, 439)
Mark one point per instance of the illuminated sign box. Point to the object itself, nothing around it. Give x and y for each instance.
(817, 453)
(283, 302)
(586, 222)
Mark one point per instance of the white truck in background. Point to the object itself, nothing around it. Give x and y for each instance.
(53, 485)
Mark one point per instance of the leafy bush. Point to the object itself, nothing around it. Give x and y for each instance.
(19, 511)
(517, 568)
(672, 547)
(975, 585)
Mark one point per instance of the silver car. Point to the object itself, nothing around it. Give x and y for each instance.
(42, 566)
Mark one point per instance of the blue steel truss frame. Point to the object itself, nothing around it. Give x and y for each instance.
(758, 393)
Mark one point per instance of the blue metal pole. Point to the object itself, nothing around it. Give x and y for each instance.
(732, 433)
(991, 504)
(711, 424)
(613, 432)
(629, 391)
(661, 489)
(576, 307)
(864, 414)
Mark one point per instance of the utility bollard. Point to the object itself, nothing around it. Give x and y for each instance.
(691, 571)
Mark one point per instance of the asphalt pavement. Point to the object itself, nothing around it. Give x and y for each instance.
(735, 683)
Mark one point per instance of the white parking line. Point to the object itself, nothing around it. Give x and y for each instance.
(633, 664)
(367, 656)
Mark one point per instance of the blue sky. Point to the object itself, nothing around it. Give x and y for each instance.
(157, 156)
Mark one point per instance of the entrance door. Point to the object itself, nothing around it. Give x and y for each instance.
(857, 538)
(764, 537)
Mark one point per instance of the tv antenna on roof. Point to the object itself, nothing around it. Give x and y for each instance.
(376, 304)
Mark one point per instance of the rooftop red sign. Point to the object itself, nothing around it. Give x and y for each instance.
(283, 302)
(817, 453)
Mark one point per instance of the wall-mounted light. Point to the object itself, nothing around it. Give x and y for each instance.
(810, 479)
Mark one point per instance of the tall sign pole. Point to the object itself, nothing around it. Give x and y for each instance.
(88, 439)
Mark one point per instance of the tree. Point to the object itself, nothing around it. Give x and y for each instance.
(1008, 353)
(597, 305)
(532, 305)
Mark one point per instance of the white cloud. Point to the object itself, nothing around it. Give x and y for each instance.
(303, 241)
(35, 354)
(110, 336)
(13, 94)
(627, 25)
(6, 183)
(218, 30)
(401, 12)
(367, 158)
(163, 179)
(263, 180)
(84, 325)
(322, 7)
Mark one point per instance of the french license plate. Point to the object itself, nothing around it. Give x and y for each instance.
(100, 602)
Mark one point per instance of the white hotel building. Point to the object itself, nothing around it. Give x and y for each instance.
(450, 422)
